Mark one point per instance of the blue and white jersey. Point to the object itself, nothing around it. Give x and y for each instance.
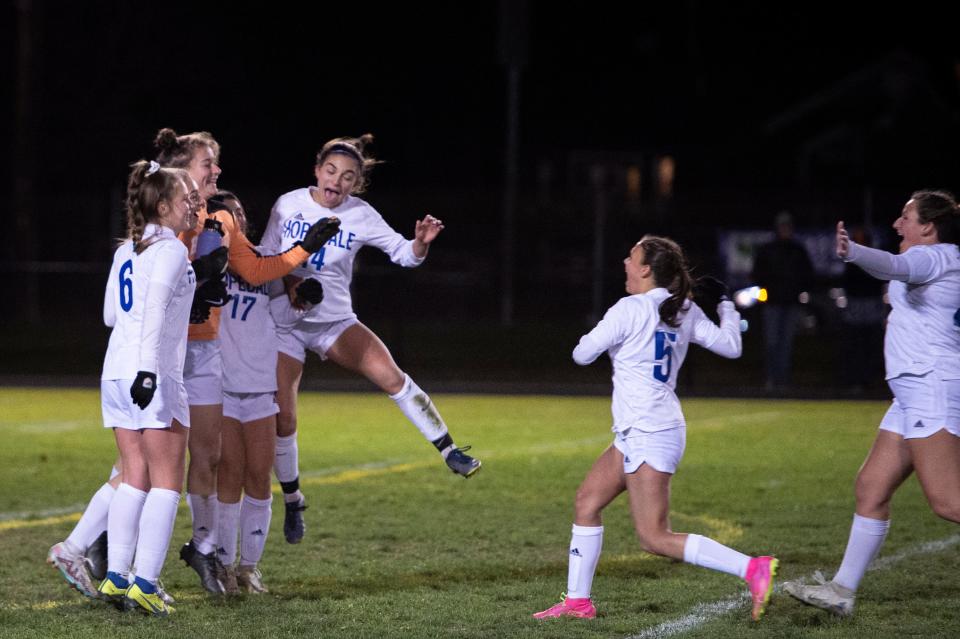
(147, 302)
(360, 225)
(923, 329)
(248, 337)
(647, 355)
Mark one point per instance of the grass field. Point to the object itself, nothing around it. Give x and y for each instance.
(397, 546)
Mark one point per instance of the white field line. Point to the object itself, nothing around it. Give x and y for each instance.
(702, 614)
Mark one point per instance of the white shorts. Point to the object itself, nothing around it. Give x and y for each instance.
(169, 403)
(315, 336)
(203, 372)
(923, 405)
(661, 449)
(249, 407)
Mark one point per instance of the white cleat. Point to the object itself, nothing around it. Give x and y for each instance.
(73, 567)
(828, 595)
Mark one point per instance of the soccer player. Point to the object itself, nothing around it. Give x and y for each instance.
(647, 335)
(199, 154)
(248, 343)
(921, 430)
(148, 300)
(331, 329)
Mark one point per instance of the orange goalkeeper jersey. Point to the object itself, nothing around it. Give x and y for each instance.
(243, 261)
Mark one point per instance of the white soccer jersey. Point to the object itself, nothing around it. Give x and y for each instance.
(647, 355)
(147, 302)
(923, 329)
(248, 337)
(360, 225)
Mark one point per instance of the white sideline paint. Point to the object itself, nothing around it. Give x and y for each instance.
(705, 613)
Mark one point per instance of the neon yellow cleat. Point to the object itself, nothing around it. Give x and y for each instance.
(147, 603)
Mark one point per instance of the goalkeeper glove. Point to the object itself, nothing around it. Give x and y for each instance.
(211, 265)
(320, 233)
(310, 291)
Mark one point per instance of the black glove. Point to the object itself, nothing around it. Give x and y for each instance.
(211, 265)
(320, 233)
(709, 291)
(209, 294)
(309, 291)
(143, 388)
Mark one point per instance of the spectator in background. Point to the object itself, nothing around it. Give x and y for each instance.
(783, 268)
(861, 322)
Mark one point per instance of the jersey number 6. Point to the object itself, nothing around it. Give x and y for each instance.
(126, 286)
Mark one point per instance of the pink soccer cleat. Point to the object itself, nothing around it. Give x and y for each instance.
(760, 573)
(579, 608)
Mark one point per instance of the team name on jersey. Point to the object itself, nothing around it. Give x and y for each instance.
(239, 284)
(296, 229)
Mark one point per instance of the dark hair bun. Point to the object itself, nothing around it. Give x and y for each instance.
(166, 139)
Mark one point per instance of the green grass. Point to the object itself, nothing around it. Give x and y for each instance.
(399, 547)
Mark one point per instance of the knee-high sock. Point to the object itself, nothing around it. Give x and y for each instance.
(703, 551)
(419, 409)
(203, 509)
(156, 527)
(286, 464)
(229, 517)
(93, 521)
(254, 528)
(585, 545)
(866, 537)
(123, 526)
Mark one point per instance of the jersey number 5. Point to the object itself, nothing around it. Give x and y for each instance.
(126, 286)
(664, 355)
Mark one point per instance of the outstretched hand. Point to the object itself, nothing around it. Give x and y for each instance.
(426, 231)
(843, 241)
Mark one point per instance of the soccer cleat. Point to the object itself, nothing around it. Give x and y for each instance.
(147, 603)
(760, 573)
(166, 596)
(97, 557)
(205, 566)
(250, 580)
(113, 592)
(828, 595)
(578, 608)
(293, 526)
(73, 568)
(228, 577)
(461, 463)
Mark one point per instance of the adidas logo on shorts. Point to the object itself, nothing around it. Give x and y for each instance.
(258, 531)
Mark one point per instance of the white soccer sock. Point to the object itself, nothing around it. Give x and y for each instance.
(705, 552)
(254, 528)
(203, 510)
(866, 538)
(286, 459)
(418, 408)
(123, 524)
(92, 522)
(156, 528)
(229, 518)
(585, 545)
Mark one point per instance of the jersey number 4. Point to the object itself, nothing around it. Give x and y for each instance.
(664, 354)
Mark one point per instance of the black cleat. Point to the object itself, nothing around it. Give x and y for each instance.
(97, 558)
(293, 526)
(204, 565)
(461, 463)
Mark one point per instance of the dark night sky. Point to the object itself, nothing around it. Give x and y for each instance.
(273, 82)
